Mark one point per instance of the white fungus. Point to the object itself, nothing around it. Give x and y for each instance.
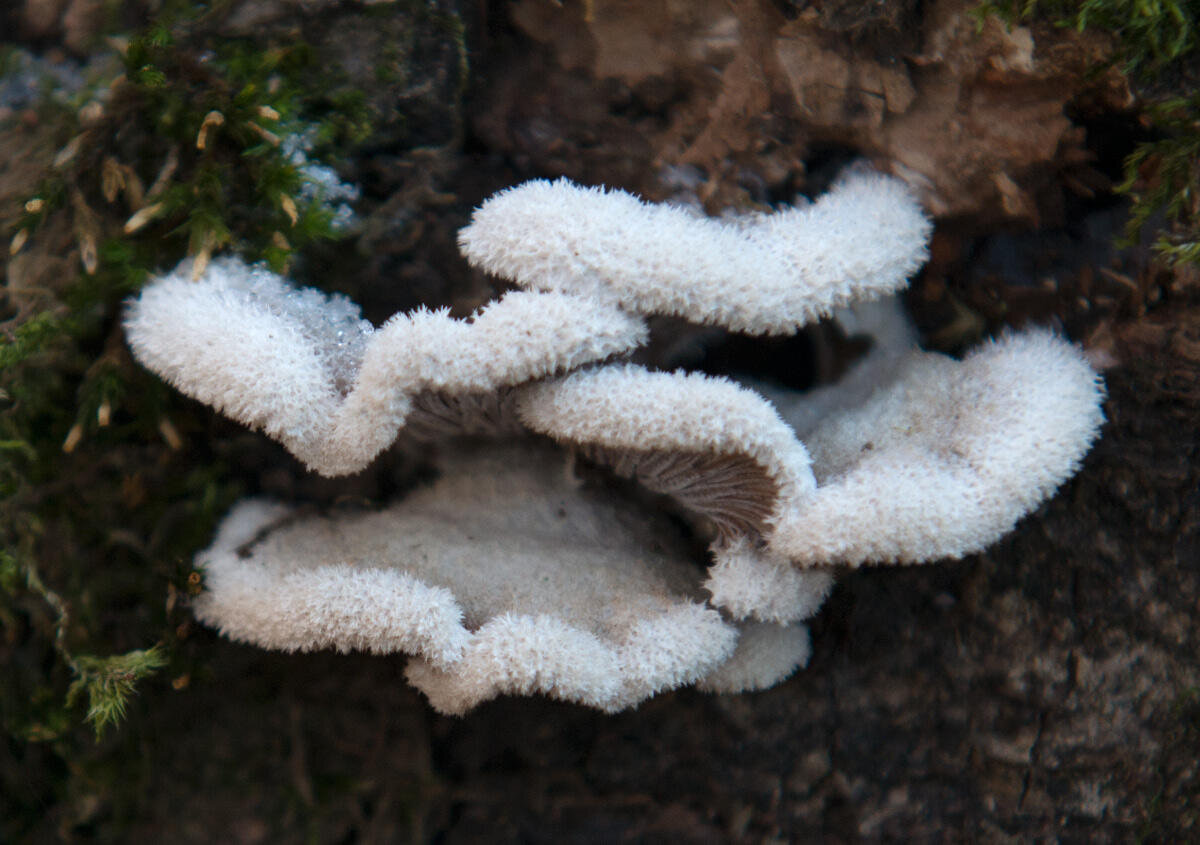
(508, 577)
(503, 577)
(760, 273)
(307, 370)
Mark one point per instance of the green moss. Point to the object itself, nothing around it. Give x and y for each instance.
(1155, 41)
(1150, 33)
(30, 338)
(110, 481)
(108, 683)
(240, 189)
(101, 510)
(1162, 178)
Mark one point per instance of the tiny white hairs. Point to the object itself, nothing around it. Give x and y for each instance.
(502, 577)
(761, 273)
(944, 460)
(748, 584)
(507, 576)
(308, 371)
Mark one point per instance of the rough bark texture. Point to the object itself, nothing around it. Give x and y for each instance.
(1049, 688)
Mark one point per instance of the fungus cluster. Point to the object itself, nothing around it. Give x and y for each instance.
(509, 575)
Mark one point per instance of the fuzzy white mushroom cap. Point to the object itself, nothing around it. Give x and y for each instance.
(306, 369)
(626, 407)
(506, 576)
(264, 591)
(503, 577)
(748, 584)
(944, 460)
(939, 461)
(761, 273)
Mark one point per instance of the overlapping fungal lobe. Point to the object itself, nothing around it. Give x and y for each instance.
(758, 273)
(306, 369)
(503, 577)
(944, 458)
(937, 458)
(749, 583)
(506, 576)
(718, 447)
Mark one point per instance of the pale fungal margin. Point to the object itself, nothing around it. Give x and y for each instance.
(306, 369)
(748, 584)
(503, 577)
(939, 460)
(512, 576)
(624, 407)
(760, 273)
(946, 458)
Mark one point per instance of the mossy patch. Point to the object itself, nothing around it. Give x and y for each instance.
(177, 147)
(1156, 46)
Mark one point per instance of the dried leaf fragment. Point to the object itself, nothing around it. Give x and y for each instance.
(18, 241)
(289, 208)
(142, 216)
(211, 121)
